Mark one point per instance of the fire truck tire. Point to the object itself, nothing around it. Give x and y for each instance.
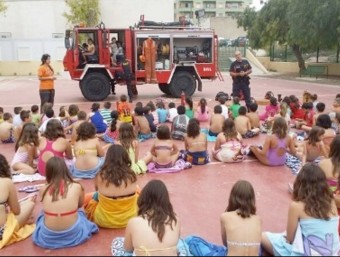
(95, 87)
(182, 81)
(165, 88)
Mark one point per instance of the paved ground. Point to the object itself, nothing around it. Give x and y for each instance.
(199, 195)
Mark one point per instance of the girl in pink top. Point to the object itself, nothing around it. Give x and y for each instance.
(271, 110)
(53, 143)
(202, 112)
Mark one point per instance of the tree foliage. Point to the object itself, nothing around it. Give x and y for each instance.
(3, 7)
(302, 24)
(83, 11)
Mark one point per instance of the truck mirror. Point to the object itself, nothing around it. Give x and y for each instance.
(67, 39)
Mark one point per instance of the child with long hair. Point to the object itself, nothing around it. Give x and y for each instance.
(202, 112)
(189, 107)
(53, 143)
(88, 152)
(111, 135)
(196, 144)
(276, 145)
(14, 214)
(240, 226)
(312, 219)
(62, 223)
(128, 139)
(314, 147)
(116, 189)
(26, 150)
(331, 165)
(156, 229)
(161, 112)
(153, 112)
(228, 146)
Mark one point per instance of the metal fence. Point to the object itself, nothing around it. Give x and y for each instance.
(284, 53)
(226, 56)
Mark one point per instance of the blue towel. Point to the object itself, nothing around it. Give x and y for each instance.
(209, 138)
(80, 232)
(87, 174)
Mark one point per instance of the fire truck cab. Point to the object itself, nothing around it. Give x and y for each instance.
(185, 56)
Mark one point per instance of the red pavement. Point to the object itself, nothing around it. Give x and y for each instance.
(199, 195)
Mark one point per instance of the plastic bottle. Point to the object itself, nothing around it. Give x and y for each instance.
(183, 98)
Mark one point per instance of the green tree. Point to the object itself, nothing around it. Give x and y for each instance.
(302, 24)
(3, 7)
(83, 11)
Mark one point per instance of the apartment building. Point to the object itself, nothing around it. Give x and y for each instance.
(212, 8)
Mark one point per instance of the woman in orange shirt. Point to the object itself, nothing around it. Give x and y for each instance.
(46, 77)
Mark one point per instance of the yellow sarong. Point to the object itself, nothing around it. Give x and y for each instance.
(112, 213)
(13, 233)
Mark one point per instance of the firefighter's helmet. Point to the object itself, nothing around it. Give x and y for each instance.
(142, 58)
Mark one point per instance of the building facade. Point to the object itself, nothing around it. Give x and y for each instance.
(30, 28)
(212, 8)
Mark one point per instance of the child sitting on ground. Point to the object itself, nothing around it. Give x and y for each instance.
(153, 112)
(276, 145)
(64, 117)
(320, 109)
(172, 114)
(216, 122)
(26, 150)
(73, 110)
(97, 119)
(189, 107)
(196, 144)
(111, 134)
(253, 116)
(313, 146)
(164, 151)
(25, 117)
(48, 115)
(81, 117)
(15, 216)
(235, 107)
(16, 119)
(124, 110)
(241, 214)
(243, 126)
(106, 112)
(228, 146)
(161, 112)
(127, 138)
(62, 223)
(225, 112)
(6, 129)
(202, 112)
(149, 117)
(271, 110)
(35, 115)
(142, 127)
(180, 124)
(307, 122)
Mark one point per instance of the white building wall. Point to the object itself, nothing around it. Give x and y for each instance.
(32, 19)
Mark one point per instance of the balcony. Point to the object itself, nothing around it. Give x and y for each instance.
(186, 5)
(209, 5)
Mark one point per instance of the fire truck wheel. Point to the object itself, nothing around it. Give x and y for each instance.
(165, 88)
(95, 87)
(182, 81)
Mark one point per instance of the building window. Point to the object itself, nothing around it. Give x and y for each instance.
(198, 6)
(5, 35)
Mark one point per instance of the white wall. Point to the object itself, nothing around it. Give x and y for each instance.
(32, 19)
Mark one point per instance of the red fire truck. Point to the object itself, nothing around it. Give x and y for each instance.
(185, 56)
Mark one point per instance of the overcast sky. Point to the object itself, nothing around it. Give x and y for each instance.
(257, 4)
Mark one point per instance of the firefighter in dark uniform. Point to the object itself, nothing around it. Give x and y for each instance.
(239, 71)
(126, 74)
